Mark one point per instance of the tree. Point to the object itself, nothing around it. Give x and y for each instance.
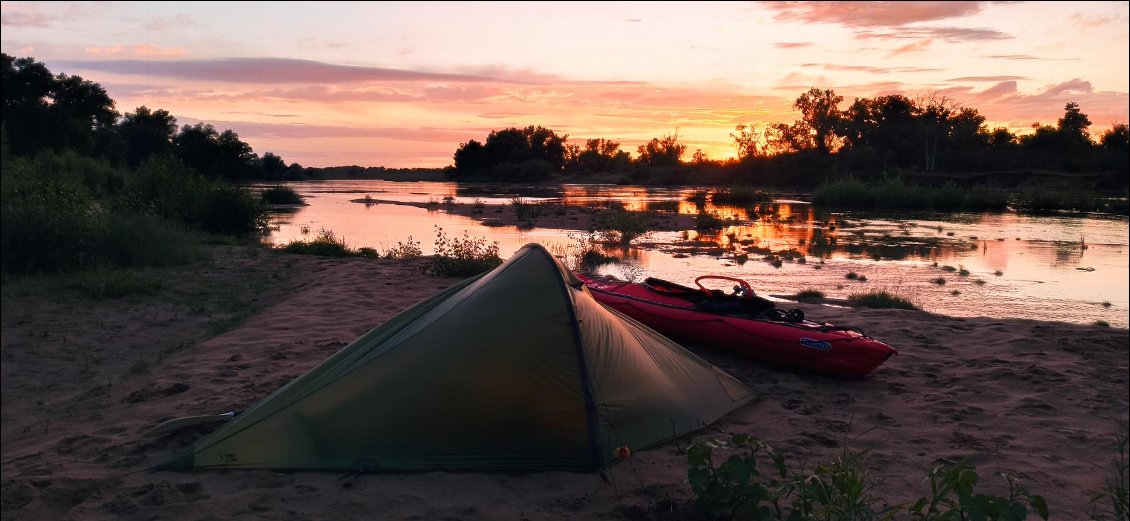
(933, 113)
(700, 157)
(783, 138)
(600, 155)
(512, 154)
(1073, 127)
(1001, 138)
(1117, 138)
(820, 115)
(470, 158)
(273, 166)
(147, 133)
(214, 154)
(45, 112)
(661, 152)
(750, 141)
(886, 122)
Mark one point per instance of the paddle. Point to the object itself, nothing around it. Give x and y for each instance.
(188, 421)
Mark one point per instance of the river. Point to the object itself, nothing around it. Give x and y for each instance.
(1003, 265)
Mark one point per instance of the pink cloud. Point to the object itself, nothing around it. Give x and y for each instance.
(871, 14)
(1004, 88)
(137, 50)
(21, 18)
(988, 78)
(1075, 85)
(266, 71)
(918, 46)
(149, 50)
(792, 45)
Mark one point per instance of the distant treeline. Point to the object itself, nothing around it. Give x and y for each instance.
(62, 113)
(927, 140)
(931, 139)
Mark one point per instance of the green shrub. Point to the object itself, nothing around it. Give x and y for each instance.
(882, 300)
(45, 223)
(280, 194)
(463, 257)
(405, 250)
(232, 210)
(753, 481)
(326, 244)
(740, 195)
(586, 255)
(619, 225)
(810, 293)
(163, 187)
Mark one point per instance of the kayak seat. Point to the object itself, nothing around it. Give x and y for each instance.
(723, 304)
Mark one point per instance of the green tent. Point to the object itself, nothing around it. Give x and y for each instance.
(516, 369)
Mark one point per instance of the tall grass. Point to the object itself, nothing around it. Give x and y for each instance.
(881, 299)
(326, 244)
(894, 192)
(1113, 501)
(740, 195)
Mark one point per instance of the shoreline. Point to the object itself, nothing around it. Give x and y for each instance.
(84, 380)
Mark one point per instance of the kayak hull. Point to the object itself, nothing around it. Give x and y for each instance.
(802, 344)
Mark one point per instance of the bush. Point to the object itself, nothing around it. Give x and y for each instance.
(882, 300)
(144, 241)
(326, 244)
(163, 187)
(619, 225)
(232, 210)
(737, 488)
(279, 194)
(463, 257)
(405, 250)
(45, 222)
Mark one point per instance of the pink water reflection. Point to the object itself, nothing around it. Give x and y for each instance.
(1052, 268)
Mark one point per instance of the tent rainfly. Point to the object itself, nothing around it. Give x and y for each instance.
(516, 369)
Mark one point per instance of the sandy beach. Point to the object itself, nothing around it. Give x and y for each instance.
(85, 378)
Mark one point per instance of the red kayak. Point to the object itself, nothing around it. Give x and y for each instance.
(741, 322)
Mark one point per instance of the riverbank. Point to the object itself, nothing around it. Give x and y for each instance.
(86, 376)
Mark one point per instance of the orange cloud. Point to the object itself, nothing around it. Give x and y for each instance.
(139, 50)
(871, 14)
(149, 50)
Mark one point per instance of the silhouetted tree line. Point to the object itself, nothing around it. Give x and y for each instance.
(59, 113)
(871, 138)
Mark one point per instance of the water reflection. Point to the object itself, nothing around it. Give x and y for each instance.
(1060, 268)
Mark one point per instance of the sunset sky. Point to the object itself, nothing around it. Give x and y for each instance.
(403, 84)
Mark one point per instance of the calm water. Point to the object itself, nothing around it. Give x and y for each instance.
(1071, 269)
